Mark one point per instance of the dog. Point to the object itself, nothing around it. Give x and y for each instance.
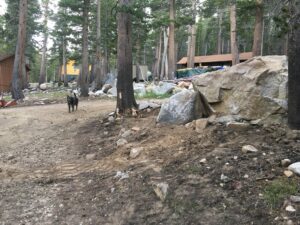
(72, 102)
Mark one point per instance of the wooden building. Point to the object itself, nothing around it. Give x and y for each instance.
(6, 69)
(214, 60)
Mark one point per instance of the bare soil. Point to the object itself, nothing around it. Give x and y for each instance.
(60, 168)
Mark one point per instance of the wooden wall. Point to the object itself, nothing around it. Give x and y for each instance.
(6, 69)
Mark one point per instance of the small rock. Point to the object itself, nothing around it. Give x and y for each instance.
(290, 208)
(285, 162)
(203, 161)
(295, 167)
(288, 173)
(224, 178)
(122, 175)
(201, 124)
(190, 125)
(212, 119)
(289, 222)
(105, 133)
(237, 126)
(126, 134)
(135, 152)
(90, 156)
(249, 148)
(136, 129)
(161, 190)
(246, 176)
(10, 157)
(111, 119)
(295, 199)
(121, 142)
(235, 157)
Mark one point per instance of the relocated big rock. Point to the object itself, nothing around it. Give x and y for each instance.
(161, 89)
(184, 107)
(254, 89)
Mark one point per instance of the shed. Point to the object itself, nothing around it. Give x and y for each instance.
(215, 60)
(6, 70)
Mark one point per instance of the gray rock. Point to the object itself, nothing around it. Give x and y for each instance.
(295, 167)
(255, 89)
(249, 148)
(121, 142)
(184, 107)
(43, 86)
(161, 89)
(295, 199)
(111, 119)
(135, 152)
(90, 156)
(106, 87)
(200, 125)
(227, 119)
(161, 190)
(126, 134)
(139, 89)
(285, 162)
(10, 157)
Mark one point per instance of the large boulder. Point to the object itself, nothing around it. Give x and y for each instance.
(255, 89)
(184, 107)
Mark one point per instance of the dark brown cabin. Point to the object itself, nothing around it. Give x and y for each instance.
(6, 69)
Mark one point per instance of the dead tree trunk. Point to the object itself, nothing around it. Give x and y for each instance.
(126, 103)
(19, 62)
(220, 30)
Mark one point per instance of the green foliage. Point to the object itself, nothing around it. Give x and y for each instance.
(278, 190)
(151, 95)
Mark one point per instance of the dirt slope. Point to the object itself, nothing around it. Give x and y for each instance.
(60, 168)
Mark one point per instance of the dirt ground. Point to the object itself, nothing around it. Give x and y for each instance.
(63, 168)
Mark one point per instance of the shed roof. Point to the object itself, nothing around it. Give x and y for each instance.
(6, 56)
(216, 58)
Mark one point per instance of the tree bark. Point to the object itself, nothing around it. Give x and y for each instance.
(99, 62)
(45, 40)
(294, 68)
(163, 72)
(220, 30)
(64, 47)
(234, 44)
(137, 59)
(126, 103)
(19, 62)
(84, 84)
(171, 55)
(258, 30)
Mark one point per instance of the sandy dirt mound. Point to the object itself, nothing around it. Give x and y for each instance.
(61, 168)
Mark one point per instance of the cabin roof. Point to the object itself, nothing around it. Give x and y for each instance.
(216, 58)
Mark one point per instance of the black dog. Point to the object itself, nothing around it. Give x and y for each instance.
(72, 101)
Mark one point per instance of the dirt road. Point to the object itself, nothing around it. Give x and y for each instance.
(61, 168)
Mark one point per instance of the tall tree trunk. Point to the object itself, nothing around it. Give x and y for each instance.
(138, 58)
(126, 103)
(19, 62)
(99, 61)
(220, 30)
(157, 58)
(163, 72)
(233, 29)
(84, 83)
(294, 68)
(45, 40)
(192, 47)
(258, 30)
(171, 55)
(64, 47)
